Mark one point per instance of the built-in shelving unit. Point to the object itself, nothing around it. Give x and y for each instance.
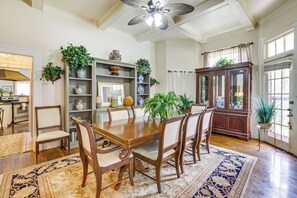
(99, 72)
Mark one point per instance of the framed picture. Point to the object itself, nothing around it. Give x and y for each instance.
(110, 90)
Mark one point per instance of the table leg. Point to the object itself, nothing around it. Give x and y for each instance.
(140, 166)
(120, 177)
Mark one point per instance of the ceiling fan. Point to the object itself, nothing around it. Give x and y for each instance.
(158, 10)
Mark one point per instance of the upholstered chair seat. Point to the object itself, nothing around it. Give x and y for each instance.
(51, 135)
(111, 158)
(151, 151)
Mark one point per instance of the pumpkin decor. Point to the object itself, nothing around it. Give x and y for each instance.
(128, 101)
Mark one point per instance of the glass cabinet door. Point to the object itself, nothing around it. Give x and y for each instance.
(203, 89)
(236, 89)
(219, 90)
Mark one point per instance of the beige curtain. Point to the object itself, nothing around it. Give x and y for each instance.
(245, 53)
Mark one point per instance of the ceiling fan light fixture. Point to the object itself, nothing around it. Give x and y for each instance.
(149, 21)
(158, 19)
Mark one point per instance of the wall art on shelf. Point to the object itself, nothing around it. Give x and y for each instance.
(110, 90)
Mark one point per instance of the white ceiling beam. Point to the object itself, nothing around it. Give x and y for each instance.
(241, 15)
(112, 15)
(38, 4)
(188, 31)
(200, 10)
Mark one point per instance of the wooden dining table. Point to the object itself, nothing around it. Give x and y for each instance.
(129, 134)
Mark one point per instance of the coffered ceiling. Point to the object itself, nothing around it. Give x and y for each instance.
(210, 17)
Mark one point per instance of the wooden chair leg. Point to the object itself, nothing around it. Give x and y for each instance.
(131, 171)
(68, 145)
(98, 184)
(85, 170)
(198, 151)
(181, 163)
(37, 152)
(177, 166)
(134, 166)
(194, 153)
(207, 145)
(158, 177)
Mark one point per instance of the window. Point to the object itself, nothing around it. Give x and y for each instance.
(22, 88)
(280, 44)
(278, 92)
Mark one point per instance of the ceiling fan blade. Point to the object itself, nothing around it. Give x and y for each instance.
(160, 3)
(138, 19)
(164, 25)
(136, 4)
(177, 9)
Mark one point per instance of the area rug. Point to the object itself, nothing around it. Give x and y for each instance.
(223, 173)
(15, 144)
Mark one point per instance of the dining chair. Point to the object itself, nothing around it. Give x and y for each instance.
(118, 113)
(205, 129)
(198, 107)
(101, 160)
(191, 130)
(49, 120)
(164, 149)
(138, 112)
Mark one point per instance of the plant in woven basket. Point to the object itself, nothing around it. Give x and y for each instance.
(185, 103)
(51, 72)
(162, 105)
(76, 56)
(153, 81)
(143, 66)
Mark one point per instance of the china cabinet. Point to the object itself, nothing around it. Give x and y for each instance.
(228, 89)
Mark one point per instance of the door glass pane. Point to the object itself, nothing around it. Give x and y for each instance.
(280, 48)
(236, 89)
(219, 90)
(271, 49)
(289, 41)
(278, 86)
(285, 85)
(204, 94)
(270, 86)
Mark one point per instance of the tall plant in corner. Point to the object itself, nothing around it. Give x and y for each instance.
(265, 112)
(162, 105)
(77, 58)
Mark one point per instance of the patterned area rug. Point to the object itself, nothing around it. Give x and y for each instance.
(223, 173)
(15, 144)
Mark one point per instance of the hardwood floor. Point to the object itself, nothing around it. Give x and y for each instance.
(274, 175)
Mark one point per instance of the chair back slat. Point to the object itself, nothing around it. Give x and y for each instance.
(118, 113)
(48, 117)
(207, 120)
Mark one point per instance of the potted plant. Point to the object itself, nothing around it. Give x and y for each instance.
(153, 81)
(51, 72)
(224, 61)
(162, 105)
(77, 58)
(2, 91)
(265, 113)
(143, 68)
(185, 103)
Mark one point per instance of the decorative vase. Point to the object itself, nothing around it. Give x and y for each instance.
(81, 72)
(79, 105)
(128, 101)
(114, 102)
(140, 89)
(115, 55)
(140, 101)
(78, 89)
(114, 70)
(140, 78)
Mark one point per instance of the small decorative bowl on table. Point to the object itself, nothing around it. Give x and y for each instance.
(114, 70)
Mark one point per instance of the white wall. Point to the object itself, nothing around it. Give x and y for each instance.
(29, 28)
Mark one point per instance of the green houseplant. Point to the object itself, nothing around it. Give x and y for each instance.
(77, 58)
(224, 61)
(143, 68)
(153, 81)
(161, 105)
(265, 112)
(2, 91)
(51, 72)
(185, 103)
